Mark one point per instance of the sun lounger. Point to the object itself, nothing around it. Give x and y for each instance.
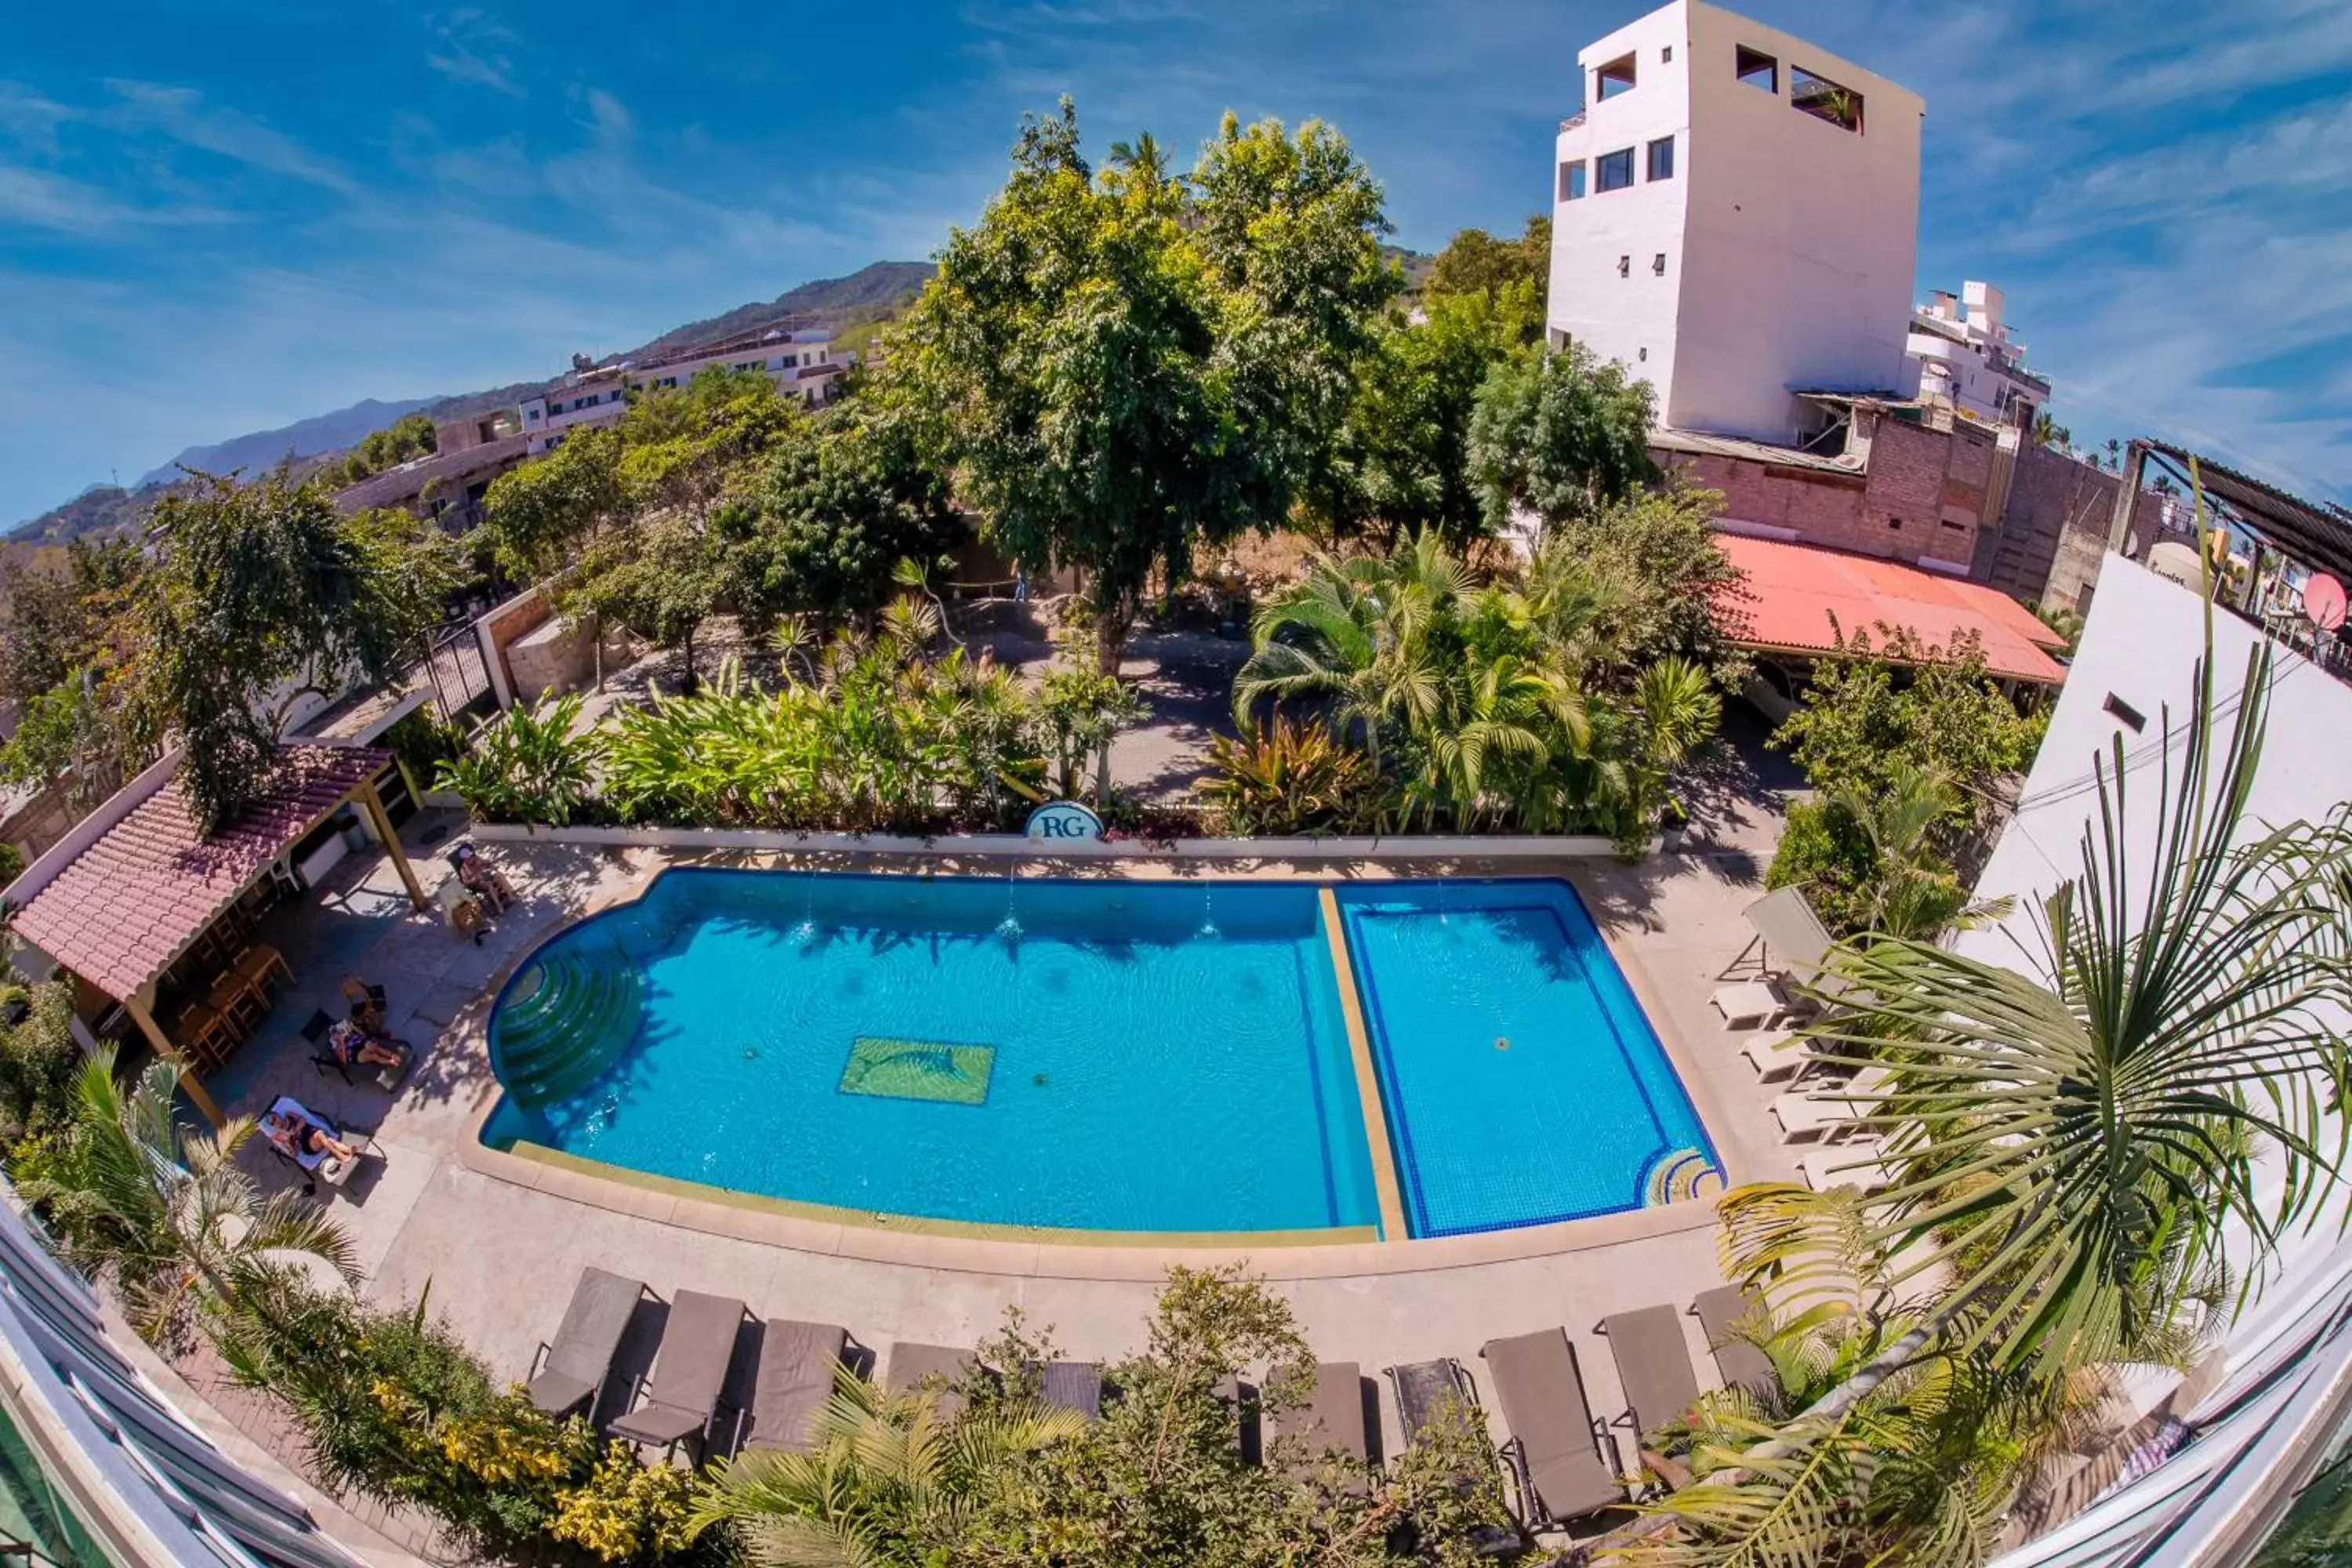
(1774, 1059)
(1720, 1311)
(1828, 1114)
(569, 1372)
(1795, 945)
(1333, 1419)
(1422, 1388)
(1556, 1449)
(319, 1166)
(1854, 1162)
(1654, 1365)
(680, 1400)
(797, 1367)
(1758, 1002)
(1072, 1385)
(910, 1363)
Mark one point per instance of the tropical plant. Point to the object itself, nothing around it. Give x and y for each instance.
(1080, 711)
(1868, 859)
(2074, 1150)
(627, 1511)
(1288, 778)
(1126, 366)
(528, 765)
(40, 1063)
(167, 1213)
(888, 1478)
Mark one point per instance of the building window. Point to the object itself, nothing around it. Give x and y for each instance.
(1614, 171)
(1625, 267)
(1658, 264)
(1558, 336)
(1572, 179)
(1758, 69)
(1612, 79)
(1662, 158)
(1666, 55)
(1825, 100)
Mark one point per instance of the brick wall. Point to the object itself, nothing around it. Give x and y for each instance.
(1928, 490)
(2054, 533)
(1819, 506)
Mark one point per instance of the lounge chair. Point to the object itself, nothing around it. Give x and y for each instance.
(680, 1400)
(569, 1372)
(1792, 945)
(1072, 1385)
(322, 1166)
(911, 1362)
(318, 1032)
(1557, 1448)
(1827, 1115)
(1773, 1057)
(1854, 1162)
(1422, 1388)
(799, 1364)
(1720, 1311)
(1333, 1419)
(1654, 1366)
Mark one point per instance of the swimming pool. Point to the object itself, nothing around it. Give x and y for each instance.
(1104, 1056)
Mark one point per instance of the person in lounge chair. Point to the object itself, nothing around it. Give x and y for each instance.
(484, 881)
(302, 1137)
(354, 1044)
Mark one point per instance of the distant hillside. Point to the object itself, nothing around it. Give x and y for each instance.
(100, 510)
(868, 294)
(304, 439)
(1416, 264)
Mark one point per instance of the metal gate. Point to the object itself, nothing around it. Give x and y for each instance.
(453, 665)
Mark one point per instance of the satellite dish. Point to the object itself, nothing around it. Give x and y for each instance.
(2323, 601)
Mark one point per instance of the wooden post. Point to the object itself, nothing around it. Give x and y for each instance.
(197, 1095)
(372, 803)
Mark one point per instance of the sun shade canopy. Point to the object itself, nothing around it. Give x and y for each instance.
(1799, 599)
(120, 911)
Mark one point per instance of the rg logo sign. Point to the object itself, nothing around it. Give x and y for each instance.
(1060, 821)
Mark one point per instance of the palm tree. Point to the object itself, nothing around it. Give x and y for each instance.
(2074, 1147)
(887, 1480)
(1911, 893)
(1356, 632)
(167, 1212)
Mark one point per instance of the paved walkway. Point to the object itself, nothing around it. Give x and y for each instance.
(500, 1259)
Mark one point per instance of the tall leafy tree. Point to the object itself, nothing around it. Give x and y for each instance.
(266, 593)
(538, 512)
(1559, 437)
(1476, 262)
(1126, 364)
(836, 509)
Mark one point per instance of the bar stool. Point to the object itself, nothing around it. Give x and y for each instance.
(206, 1037)
(238, 999)
(260, 965)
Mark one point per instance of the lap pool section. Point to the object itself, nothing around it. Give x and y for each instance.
(1101, 1056)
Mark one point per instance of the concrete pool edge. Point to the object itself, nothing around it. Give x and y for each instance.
(961, 1246)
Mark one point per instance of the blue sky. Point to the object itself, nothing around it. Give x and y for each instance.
(221, 215)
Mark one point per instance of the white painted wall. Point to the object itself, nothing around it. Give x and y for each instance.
(808, 346)
(1789, 243)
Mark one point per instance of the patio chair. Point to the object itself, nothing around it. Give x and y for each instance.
(461, 909)
(799, 1365)
(1827, 1115)
(1654, 1366)
(911, 1362)
(569, 1372)
(332, 1169)
(1332, 1419)
(1072, 1385)
(1793, 948)
(1758, 1004)
(1720, 1312)
(1774, 1059)
(680, 1402)
(1560, 1456)
(318, 1033)
(262, 964)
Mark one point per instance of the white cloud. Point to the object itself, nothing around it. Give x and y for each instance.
(472, 48)
(185, 116)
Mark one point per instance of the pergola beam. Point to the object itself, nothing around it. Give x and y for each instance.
(198, 1095)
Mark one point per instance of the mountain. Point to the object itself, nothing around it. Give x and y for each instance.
(304, 439)
(870, 293)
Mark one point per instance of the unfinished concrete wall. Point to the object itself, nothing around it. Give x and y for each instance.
(2053, 532)
(1927, 491)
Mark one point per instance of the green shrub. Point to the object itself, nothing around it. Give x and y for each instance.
(1288, 779)
(527, 766)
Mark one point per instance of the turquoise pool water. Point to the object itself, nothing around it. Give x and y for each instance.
(1096, 1055)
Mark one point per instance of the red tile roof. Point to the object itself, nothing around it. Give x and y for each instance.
(122, 910)
(1799, 597)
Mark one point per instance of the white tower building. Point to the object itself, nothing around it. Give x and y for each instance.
(1735, 218)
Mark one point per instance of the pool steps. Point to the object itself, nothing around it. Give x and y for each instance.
(565, 1031)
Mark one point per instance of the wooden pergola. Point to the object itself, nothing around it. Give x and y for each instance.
(135, 888)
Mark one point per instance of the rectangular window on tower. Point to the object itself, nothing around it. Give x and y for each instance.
(1612, 79)
(1824, 100)
(1662, 158)
(1572, 179)
(1614, 171)
(1758, 69)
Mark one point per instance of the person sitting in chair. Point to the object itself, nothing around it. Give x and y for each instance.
(301, 1137)
(484, 881)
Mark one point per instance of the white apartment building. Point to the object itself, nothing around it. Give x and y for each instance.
(1967, 358)
(795, 353)
(1736, 218)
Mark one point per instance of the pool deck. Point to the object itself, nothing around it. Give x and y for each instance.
(500, 1237)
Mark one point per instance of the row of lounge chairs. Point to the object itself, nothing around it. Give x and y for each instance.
(680, 1401)
(1564, 1463)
